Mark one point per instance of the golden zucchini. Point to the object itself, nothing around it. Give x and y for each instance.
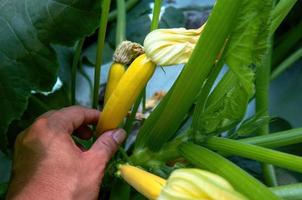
(116, 72)
(125, 93)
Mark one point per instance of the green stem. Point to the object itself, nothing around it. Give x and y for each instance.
(286, 63)
(74, 67)
(129, 4)
(201, 101)
(288, 192)
(129, 122)
(274, 140)
(99, 53)
(156, 14)
(286, 43)
(124, 154)
(254, 152)
(262, 104)
(240, 179)
(154, 25)
(280, 12)
(121, 22)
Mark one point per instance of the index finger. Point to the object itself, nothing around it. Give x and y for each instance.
(71, 118)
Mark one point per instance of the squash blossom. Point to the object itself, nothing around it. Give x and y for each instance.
(171, 46)
(162, 47)
(183, 184)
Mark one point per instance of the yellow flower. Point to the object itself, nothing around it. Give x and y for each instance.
(183, 184)
(171, 46)
(196, 184)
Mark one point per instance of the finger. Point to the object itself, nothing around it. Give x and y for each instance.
(83, 132)
(71, 118)
(108, 143)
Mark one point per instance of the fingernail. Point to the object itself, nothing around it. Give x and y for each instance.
(119, 136)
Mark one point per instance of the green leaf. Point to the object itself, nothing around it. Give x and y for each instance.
(27, 61)
(225, 107)
(252, 124)
(167, 117)
(240, 180)
(248, 42)
(3, 189)
(37, 105)
(120, 190)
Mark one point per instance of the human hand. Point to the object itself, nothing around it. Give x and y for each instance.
(49, 165)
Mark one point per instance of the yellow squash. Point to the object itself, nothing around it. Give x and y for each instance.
(116, 72)
(125, 93)
(144, 182)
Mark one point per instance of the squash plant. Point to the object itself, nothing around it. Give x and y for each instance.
(200, 122)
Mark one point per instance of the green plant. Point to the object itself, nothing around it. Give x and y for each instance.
(200, 114)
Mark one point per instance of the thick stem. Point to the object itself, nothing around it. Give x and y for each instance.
(129, 4)
(99, 53)
(262, 105)
(156, 14)
(74, 67)
(254, 152)
(274, 140)
(121, 22)
(240, 179)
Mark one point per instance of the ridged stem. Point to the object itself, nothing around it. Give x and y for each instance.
(262, 105)
(274, 140)
(240, 179)
(99, 53)
(233, 147)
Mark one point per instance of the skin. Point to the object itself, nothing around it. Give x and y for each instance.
(49, 165)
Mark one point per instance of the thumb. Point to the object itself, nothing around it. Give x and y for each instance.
(108, 143)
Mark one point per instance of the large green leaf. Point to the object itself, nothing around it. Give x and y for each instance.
(225, 107)
(248, 42)
(27, 61)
